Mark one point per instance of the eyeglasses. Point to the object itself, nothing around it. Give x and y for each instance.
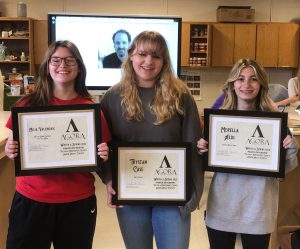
(69, 61)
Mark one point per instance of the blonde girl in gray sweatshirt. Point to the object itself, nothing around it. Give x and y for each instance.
(245, 204)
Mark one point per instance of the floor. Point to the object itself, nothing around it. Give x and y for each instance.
(107, 234)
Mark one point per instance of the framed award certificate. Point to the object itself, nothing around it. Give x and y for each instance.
(150, 173)
(57, 139)
(245, 142)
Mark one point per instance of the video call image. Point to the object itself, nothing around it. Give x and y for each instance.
(103, 41)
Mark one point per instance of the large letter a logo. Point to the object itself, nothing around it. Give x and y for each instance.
(165, 162)
(72, 124)
(259, 132)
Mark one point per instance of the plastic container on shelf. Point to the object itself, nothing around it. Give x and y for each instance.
(23, 57)
(21, 9)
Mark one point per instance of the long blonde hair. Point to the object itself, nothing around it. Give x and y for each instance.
(168, 89)
(263, 100)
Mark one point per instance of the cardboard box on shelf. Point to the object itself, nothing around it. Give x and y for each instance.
(29, 84)
(13, 76)
(235, 14)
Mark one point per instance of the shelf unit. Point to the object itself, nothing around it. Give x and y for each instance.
(274, 45)
(20, 40)
(192, 78)
(199, 45)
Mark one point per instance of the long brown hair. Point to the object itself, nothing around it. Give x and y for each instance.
(168, 89)
(43, 93)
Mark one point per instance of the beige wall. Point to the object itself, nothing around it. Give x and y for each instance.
(189, 10)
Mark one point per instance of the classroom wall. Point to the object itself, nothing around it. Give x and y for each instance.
(190, 10)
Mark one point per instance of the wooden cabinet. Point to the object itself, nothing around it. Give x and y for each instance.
(272, 44)
(278, 44)
(267, 44)
(20, 40)
(40, 40)
(231, 42)
(288, 45)
(185, 44)
(288, 218)
(7, 180)
(244, 41)
(195, 44)
(222, 45)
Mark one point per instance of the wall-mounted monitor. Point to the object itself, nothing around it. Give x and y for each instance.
(93, 34)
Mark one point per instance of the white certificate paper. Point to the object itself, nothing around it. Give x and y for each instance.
(57, 139)
(245, 142)
(150, 173)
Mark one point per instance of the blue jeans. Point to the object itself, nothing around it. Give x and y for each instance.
(139, 224)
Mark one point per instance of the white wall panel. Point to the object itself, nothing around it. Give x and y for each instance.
(190, 10)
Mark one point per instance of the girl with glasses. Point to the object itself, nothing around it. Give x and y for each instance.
(58, 208)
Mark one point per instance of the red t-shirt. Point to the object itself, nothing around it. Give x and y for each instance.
(60, 188)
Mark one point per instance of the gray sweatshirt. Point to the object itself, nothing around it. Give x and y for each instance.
(180, 128)
(246, 204)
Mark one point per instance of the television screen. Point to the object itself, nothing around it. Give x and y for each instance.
(93, 35)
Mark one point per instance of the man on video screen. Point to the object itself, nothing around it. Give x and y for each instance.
(121, 40)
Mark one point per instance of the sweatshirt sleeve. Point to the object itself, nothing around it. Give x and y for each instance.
(105, 172)
(291, 160)
(106, 136)
(191, 132)
(293, 90)
(292, 87)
